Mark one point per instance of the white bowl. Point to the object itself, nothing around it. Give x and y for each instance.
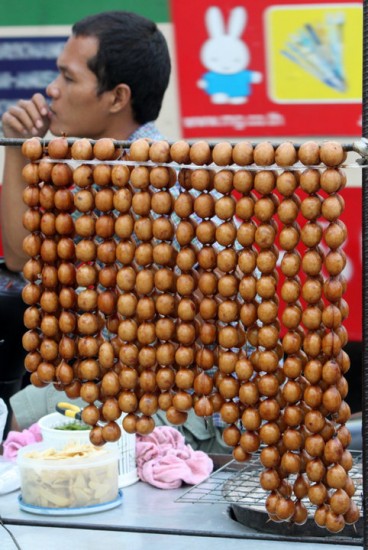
(59, 438)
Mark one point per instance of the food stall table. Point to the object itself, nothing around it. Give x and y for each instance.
(88, 539)
(147, 515)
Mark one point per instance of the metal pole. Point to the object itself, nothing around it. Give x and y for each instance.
(365, 272)
(18, 142)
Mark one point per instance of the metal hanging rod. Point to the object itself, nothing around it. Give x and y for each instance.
(353, 146)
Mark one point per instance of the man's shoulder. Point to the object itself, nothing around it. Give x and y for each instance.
(148, 130)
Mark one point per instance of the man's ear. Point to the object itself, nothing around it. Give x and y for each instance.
(121, 96)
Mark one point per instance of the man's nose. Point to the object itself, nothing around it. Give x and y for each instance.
(52, 89)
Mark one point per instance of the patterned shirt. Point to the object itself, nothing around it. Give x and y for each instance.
(147, 130)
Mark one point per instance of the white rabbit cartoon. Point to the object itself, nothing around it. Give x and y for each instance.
(226, 57)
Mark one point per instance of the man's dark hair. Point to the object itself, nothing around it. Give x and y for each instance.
(132, 51)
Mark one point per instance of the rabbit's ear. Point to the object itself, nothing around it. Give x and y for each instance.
(214, 22)
(237, 21)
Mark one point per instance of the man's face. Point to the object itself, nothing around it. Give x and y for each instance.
(76, 109)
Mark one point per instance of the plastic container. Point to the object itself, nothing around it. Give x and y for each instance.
(68, 479)
(59, 438)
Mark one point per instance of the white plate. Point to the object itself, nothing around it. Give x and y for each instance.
(70, 511)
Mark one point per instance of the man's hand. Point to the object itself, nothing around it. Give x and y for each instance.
(27, 118)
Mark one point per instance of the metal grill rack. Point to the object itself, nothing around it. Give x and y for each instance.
(238, 486)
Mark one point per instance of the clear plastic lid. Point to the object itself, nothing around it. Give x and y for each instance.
(70, 456)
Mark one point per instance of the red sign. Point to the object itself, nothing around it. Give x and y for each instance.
(352, 217)
(266, 69)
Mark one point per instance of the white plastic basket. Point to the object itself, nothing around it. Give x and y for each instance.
(59, 438)
(128, 473)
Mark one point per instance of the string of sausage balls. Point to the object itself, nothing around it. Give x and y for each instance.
(152, 285)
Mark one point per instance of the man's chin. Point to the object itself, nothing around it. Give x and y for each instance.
(57, 130)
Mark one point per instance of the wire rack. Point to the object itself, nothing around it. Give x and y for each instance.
(236, 483)
(238, 486)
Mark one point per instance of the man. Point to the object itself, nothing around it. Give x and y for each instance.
(113, 74)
